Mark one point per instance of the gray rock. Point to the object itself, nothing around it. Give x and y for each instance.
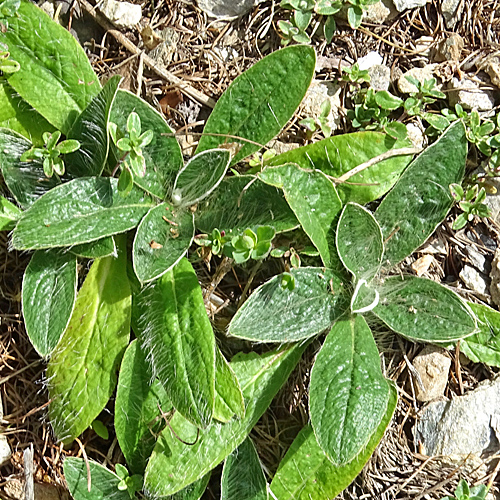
(475, 281)
(470, 95)
(380, 77)
(421, 74)
(449, 49)
(227, 9)
(319, 92)
(478, 260)
(452, 11)
(402, 5)
(121, 14)
(466, 424)
(165, 50)
(433, 366)
(495, 278)
(380, 12)
(491, 65)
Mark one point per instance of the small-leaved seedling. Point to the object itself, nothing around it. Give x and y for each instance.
(471, 202)
(464, 492)
(130, 484)
(320, 122)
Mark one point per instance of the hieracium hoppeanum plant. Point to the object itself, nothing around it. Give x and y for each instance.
(96, 177)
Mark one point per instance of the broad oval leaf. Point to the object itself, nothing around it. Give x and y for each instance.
(423, 310)
(349, 394)
(420, 200)
(274, 313)
(314, 201)
(163, 154)
(257, 105)
(56, 77)
(306, 473)
(241, 202)
(229, 400)
(104, 483)
(359, 242)
(139, 398)
(339, 154)
(174, 465)
(82, 370)
(162, 239)
(48, 297)
(200, 176)
(179, 342)
(25, 180)
(242, 475)
(98, 249)
(79, 211)
(91, 131)
(9, 214)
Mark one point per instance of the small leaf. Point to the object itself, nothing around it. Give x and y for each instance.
(98, 249)
(82, 370)
(9, 214)
(274, 313)
(104, 482)
(179, 342)
(359, 242)
(349, 394)
(100, 429)
(201, 175)
(242, 475)
(162, 239)
(396, 130)
(354, 16)
(125, 182)
(257, 105)
(48, 298)
(423, 310)
(388, 101)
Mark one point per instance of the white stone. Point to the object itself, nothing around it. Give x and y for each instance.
(380, 12)
(474, 280)
(433, 366)
(380, 77)
(470, 95)
(402, 5)
(319, 92)
(421, 74)
(227, 9)
(121, 14)
(451, 10)
(371, 59)
(416, 135)
(5, 451)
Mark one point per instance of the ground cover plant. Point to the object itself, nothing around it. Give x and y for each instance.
(117, 192)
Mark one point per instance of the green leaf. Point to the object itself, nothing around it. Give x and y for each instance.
(82, 370)
(228, 396)
(305, 472)
(274, 313)
(9, 214)
(163, 154)
(91, 131)
(257, 105)
(137, 415)
(242, 475)
(125, 182)
(484, 345)
(79, 211)
(104, 247)
(17, 115)
(423, 310)
(201, 175)
(48, 298)
(55, 76)
(388, 101)
(315, 202)
(420, 200)
(162, 239)
(177, 336)
(349, 394)
(354, 16)
(25, 180)
(397, 130)
(341, 153)
(193, 491)
(174, 464)
(241, 202)
(359, 242)
(104, 482)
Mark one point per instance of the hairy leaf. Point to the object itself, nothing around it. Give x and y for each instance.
(314, 201)
(55, 76)
(48, 297)
(79, 211)
(242, 202)
(242, 475)
(193, 491)
(423, 310)
(420, 200)
(82, 370)
(9, 214)
(339, 154)
(257, 105)
(274, 313)
(306, 473)
(177, 337)
(359, 242)
(98, 249)
(163, 154)
(349, 393)
(174, 464)
(139, 398)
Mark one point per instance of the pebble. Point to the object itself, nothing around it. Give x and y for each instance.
(470, 95)
(121, 14)
(402, 5)
(380, 77)
(421, 74)
(371, 59)
(475, 281)
(452, 11)
(433, 366)
(227, 9)
(318, 92)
